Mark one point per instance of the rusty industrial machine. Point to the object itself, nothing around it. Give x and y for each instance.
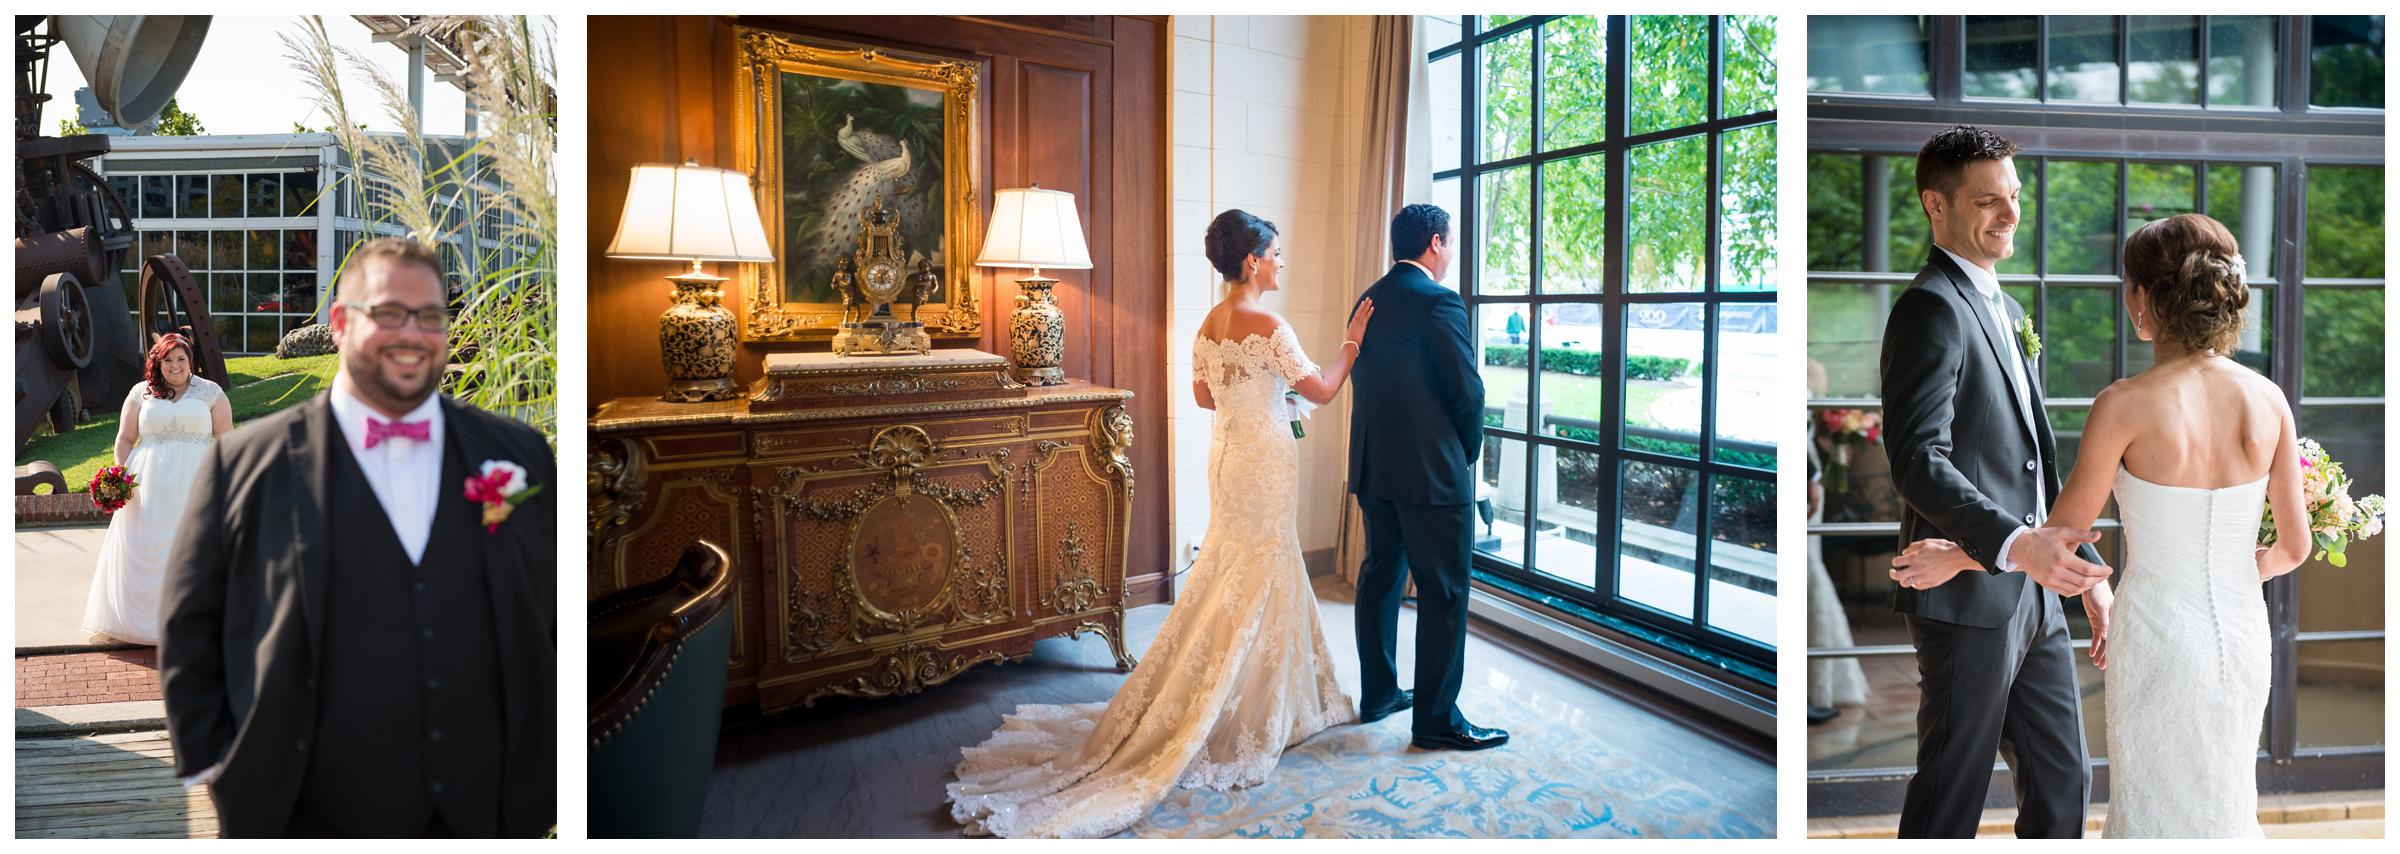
(79, 341)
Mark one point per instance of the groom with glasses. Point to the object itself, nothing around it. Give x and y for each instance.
(360, 632)
(1974, 461)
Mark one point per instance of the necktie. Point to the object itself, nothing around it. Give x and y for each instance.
(379, 430)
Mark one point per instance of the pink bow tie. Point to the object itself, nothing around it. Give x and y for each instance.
(378, 430)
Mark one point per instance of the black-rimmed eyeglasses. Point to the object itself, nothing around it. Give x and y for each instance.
(391, 315)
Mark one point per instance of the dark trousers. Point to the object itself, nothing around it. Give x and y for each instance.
(1429, 543)
(2008, 691)
(307, 825)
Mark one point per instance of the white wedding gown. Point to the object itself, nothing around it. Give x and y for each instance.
(1238, 672)
(132, 569)
(2187, 663)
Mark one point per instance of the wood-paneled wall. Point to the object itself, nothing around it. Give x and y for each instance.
(1075, 103)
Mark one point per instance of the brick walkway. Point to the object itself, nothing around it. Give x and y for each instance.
(87, 677)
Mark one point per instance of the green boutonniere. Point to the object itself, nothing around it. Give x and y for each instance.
(2027, 340)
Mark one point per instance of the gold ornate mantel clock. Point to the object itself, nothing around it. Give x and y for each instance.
(893, 521)
(870, 281)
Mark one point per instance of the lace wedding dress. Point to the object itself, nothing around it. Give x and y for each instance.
(132, 569)
(1238, 672)
(2187, 663)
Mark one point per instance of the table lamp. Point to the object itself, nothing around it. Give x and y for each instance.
(693, 213)
(1036, 228)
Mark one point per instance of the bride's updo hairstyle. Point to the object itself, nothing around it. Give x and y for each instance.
(1235, 235)
(157, 380)
(2191, 270)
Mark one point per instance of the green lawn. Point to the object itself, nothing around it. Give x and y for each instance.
(260, 385)
(1573, 396)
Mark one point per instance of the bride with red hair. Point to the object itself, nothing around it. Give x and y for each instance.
(165, 429)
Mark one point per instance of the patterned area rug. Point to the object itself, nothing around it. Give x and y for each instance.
(1549, 781)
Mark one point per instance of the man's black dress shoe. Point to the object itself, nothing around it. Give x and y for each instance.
(1472, 738)
(1821, 714)
(1404, 700)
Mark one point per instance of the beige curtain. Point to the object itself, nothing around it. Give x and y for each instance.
(1395, 169)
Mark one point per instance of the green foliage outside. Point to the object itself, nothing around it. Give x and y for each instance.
(258, 385)
(1588, 363)
(173, 121)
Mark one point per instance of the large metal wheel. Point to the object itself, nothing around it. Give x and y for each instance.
(172, 302)
(66, 335)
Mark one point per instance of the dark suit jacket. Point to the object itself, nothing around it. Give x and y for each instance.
(244, 609)
(1416, 419)
(1963, 456)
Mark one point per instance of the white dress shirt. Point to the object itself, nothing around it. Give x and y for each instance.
(1987, 286)
(406, 474)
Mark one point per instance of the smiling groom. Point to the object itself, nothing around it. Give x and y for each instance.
(360, 632)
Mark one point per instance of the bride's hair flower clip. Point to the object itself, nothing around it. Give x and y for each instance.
(2241, 268)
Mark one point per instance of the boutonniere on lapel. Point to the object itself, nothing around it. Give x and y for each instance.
(500, 487)
(2027, 340)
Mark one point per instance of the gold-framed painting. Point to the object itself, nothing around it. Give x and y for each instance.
(827, 131)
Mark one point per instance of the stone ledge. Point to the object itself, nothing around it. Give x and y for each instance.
(91, 719)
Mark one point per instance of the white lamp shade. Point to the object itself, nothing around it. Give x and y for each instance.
(690, 212)
(1035, 227)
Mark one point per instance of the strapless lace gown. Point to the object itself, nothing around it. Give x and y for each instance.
(1238, 672)
(132, 568)
(2188, 661)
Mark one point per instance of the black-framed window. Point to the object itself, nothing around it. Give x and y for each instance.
(1614, 185)
(2304, 199)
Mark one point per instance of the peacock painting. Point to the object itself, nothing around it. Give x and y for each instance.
(846, 145)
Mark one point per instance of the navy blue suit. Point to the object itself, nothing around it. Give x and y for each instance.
(1416, 427)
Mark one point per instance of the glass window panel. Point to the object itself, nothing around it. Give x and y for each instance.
(266, 195)
(2341, 697)
(1747, 364)
(1440, 31)
(2079, 339)
(1575, 224)
(158, 196)
(225, 250)
(1664, 358)
(2001, 52)
(2164, 65)
(300, 193)
(2080, 231)
(1503, 332)
(1494, 22)
(191, 196)
(191, 245)
(1836, 222)
(1749, 64)
(2258, 331)
(1505, 94)
(159, 242)
(265, 293)
(301, 290)
(1746, 206)
(1442, 98)
(2345, 222)
(1503, 465)
(2243, 198)
(2155, 191)
(263, 333)
(128, 190)
(2083, 58)
(2345, 61)
(1445, 195)
(2066, 425)
(1667, 209)
(1659, 509)
(1574, 82)
(2341, 352)
(1574, 371)
(266, 249)
(1845, 337)
(1741, 557)
(300, 249)
(1506, 262)
(2241, 60)
(2348, 597)
(1670, 71)
(1566, 537)
(227, 197)
(225, 294)
(1882, 54)
(2029, 179)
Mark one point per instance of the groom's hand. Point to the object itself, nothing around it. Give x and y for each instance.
(2047, 555)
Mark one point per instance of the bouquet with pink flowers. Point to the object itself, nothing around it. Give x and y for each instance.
(111, 487)
(2334, 518)
(1849, 430)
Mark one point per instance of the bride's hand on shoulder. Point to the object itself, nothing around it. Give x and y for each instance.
(1357, 330)
(1930, 563)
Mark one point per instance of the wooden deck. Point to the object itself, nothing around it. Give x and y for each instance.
(120, 785)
